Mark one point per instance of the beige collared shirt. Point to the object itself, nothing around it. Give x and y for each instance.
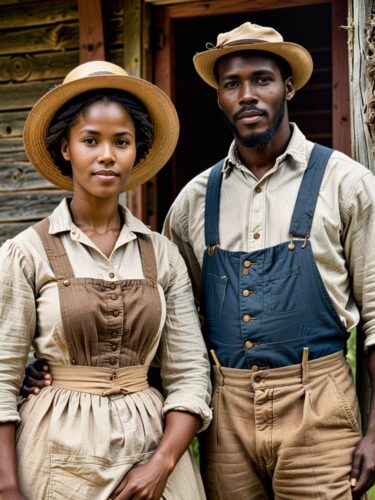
(30, 311)
(256, 214)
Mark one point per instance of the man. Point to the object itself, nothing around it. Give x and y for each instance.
(279, 243)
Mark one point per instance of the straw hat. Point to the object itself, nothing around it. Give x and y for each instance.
(250, 36)
(102, 75)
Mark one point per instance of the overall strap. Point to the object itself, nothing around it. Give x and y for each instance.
(212, 207)
(309, 190)
(55, 250)
(148, 258)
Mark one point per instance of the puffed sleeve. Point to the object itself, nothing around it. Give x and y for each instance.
(17, 324)
(185, 370)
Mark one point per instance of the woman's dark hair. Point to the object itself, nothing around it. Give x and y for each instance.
(69, 113)
(284, 66)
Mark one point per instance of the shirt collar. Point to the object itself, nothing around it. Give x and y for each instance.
(296, 149)
(61, 221)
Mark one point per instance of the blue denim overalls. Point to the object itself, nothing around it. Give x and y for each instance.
(264, 307)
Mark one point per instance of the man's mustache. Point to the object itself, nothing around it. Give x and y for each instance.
(249, 107)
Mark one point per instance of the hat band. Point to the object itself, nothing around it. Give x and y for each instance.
(241, 42)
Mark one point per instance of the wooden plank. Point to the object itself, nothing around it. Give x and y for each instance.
(19, 175)
(341, 139)
(9, 230)
(22, 95)
(28, 206)
(11, 145)
(46, 66)
(218, 7)
(57, 37)
(91, 34)
(11, 124)
(37, 13)
(361, 88)
(51, 37)
(133, 37)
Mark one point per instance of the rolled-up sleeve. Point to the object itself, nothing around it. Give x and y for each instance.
(17, 325)
(185, 369)
(359, 244)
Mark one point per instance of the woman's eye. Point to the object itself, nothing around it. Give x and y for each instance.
(122, 142)
(89, 140)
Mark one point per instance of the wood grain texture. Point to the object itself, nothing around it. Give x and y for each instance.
(21, 175)
(9, 230)
(28, 206)
(37, 13)
(91, 33)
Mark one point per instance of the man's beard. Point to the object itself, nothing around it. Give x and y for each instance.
(257, 141)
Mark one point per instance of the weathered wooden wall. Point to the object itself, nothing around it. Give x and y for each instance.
(39, 45)
(362, 88)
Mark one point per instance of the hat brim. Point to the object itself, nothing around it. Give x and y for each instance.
(298, 58)
(162, 114)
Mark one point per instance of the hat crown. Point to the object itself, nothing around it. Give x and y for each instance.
(94, 68)
(249, 32)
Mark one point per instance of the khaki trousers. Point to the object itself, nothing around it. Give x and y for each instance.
(285, 433)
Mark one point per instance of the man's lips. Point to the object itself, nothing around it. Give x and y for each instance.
(249, 117)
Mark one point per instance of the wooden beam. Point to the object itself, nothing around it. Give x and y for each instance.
(133, 36)
(218, 7)
(91, 33)
(341, 139)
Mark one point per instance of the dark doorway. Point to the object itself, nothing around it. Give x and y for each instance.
(204, 137)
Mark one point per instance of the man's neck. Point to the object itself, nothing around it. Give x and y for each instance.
(260, 161)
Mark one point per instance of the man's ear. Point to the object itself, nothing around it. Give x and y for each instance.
(65, 149)
(218, 100)
(289, 88)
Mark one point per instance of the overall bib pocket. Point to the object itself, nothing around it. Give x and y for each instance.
(283, 292)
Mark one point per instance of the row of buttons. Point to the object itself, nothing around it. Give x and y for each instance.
(111, 275)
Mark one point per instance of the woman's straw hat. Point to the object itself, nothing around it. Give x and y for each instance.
(102, 75)
(250, 36)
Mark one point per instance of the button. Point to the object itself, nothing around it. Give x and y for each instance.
(112, 361)
(246, 292)
(257, 379)
(247, 263)
(114, 347)
(245, 271)
(256, 236)
(74, 361)
(249, 344)
(258, 189)
(114, 296)
(246, 318)
(112, 286)
(255, 368)
(66, 282)
(111, 275)
(115, 313)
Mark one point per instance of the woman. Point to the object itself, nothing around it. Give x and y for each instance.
(99, 295)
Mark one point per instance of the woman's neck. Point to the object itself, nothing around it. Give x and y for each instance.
(98, 216)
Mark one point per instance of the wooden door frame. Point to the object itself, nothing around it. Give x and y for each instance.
(164, 56)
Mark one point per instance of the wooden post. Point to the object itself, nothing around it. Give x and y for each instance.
(91, 33)
(340, 82)
(362, 144)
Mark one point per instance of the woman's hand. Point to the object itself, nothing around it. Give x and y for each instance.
(146, 481)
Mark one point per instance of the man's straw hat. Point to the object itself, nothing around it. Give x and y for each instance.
(102, 75)
(250, 36)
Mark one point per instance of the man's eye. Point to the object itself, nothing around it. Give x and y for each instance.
(231, 85)
(263, 80)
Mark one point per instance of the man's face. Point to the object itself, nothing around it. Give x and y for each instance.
(253, 95)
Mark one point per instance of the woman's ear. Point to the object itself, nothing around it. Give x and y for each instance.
(289, 88)
(65, 149)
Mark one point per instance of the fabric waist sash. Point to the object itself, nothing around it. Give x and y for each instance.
(100, 381)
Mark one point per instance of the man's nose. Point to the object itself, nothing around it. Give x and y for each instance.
(247, 93)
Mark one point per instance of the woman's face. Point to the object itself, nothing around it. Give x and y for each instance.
(101, 147)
